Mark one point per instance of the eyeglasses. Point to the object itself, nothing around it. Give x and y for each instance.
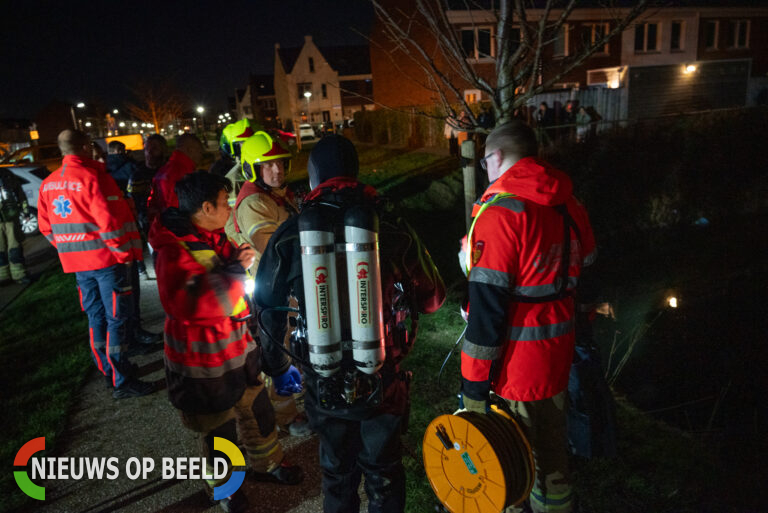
(484, 161)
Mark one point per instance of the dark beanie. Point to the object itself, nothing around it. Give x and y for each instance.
(331, 157)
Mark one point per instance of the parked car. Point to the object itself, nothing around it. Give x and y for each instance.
(306, 132)
(47, 155)
(286, 137)
(31, 177)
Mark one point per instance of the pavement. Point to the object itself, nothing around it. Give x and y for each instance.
(149, 427)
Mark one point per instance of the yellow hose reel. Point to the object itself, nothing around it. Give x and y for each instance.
(478, 463)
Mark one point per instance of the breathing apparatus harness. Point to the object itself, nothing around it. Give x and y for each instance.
(342, 340)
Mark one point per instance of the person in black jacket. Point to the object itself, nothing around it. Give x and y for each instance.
(359, 428)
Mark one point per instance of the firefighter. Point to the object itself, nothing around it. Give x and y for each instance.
(263, 204)
(528, 243)
(230, 143)
(83, 213)
(212, 364)
(359, 429)
(13, 203)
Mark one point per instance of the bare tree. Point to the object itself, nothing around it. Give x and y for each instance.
(156, 103)
(526, 31)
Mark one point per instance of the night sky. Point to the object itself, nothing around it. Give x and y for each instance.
(94, 51)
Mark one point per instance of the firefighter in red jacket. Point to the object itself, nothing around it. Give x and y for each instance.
(82, 212)
(184, 160)
(528, 243)
(212, 364)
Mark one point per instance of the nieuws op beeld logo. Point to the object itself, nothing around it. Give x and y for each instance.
(60, 468)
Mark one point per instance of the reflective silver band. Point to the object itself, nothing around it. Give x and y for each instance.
(317, 250)
(533, 333)
(367, 344)
(366, 246)
(331, 348)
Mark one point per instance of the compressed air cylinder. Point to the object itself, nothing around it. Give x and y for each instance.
(361, 233)
(321, 290)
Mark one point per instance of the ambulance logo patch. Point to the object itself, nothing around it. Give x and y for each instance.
(61, 207)
(477, 251)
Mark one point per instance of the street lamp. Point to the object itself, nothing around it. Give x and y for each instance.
(308, 95)
(81, 105)
(115, 111)
(200, 109)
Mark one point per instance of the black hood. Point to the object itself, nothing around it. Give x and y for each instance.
(333, 156)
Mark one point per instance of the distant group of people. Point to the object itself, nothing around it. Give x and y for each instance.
(226, 354)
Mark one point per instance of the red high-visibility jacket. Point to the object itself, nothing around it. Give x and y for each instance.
(83, 213)
(523, 350)
(210, 356)
(163, 193)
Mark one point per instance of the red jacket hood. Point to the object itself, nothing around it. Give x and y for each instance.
(535, 180)
(181, 159)
(83, 161)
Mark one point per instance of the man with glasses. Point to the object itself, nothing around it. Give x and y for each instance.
(527, 245)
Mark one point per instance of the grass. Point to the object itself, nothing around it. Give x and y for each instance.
(44, 360)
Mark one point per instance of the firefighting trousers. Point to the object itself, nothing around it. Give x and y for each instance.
(351, 448)
(12, 265)
(249, 423)
(544, 425)
(105, 296)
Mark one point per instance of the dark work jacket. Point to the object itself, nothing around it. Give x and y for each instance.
(403, 260)
(121, 168)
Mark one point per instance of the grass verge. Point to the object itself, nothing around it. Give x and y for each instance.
(43, 362)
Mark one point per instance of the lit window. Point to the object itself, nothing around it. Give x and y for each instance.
(598, 32)
(472, 96)
(740, 34)
(676, 38)
(646, 37)
(711, 29)
(477, 42)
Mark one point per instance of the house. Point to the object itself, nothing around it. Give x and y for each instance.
(684, 57)
(320, 85)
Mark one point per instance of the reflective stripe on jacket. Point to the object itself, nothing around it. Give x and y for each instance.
(210, 356)
(523, 350)
(83, 213)
(257, 214)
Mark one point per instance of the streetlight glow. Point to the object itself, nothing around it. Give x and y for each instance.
(81, 105)
(200, 109)
(115, 111)
(307, 94)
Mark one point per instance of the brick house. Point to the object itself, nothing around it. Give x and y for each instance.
(670, 60)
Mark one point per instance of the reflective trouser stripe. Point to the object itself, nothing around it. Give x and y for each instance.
(93, 347)
(551, 501)
(114, 371)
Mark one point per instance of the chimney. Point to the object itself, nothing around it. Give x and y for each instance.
(307, 39)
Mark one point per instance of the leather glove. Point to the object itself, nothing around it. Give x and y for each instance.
(289, 382)
(473, 405)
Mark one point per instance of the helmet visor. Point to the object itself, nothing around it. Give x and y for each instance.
(236, 145)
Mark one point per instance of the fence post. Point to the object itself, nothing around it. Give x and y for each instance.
(468, 163)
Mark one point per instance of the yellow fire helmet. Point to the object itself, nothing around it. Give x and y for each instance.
(234, 134)
(261, 148)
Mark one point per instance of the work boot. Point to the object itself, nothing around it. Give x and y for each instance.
(286, 474)
(235, 503)
(133, 388)
(299, 426)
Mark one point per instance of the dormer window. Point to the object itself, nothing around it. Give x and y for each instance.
(311, 65)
